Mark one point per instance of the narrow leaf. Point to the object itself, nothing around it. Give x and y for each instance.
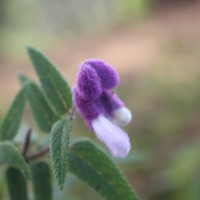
(94, 167)
(10, 154)
(17, 185)
(55, 87)
(59, 149)
(42, 112)
(11, 121)
(42, 182)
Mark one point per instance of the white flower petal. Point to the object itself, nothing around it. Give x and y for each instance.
(122, 116)
(116, 140)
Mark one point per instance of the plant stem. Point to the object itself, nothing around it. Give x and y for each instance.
(26, 143)
(38, 154)
(71, 112)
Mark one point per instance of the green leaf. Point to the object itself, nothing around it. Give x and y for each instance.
(42, 112)
(11, 121)
(59, 149)
(17, 185)
(132, 159)
(42, 182)
(94, 167)
(55, 87)
(10, 154)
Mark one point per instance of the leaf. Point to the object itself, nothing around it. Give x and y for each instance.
(55, 87)
(132, 159)
(193, 191)
(10, 154)
(59, 149)
(11, 121)
(42, 182)
(17, 185)
(94, 167)
(42, 112)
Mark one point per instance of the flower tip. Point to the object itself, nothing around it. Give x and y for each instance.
(116, 140)
(109, 77)
(122, 116)
(122, 152)
(88, 83)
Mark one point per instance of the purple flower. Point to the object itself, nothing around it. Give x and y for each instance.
(100, 107)
(109, 77)
(88, 83)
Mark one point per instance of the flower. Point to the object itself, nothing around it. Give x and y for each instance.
(100, 107)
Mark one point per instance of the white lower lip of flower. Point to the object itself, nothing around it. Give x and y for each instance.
(116, 140)
(122, 116)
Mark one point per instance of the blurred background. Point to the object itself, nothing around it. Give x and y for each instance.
(155, 47)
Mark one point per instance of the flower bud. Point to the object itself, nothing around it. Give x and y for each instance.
(88, 109)
(110, 102)
(88, 83)
(122, 116)
(108, 76)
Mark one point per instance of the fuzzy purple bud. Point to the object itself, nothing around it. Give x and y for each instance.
(88, 83)
(109, 77)
(88, 109)
(110, 102)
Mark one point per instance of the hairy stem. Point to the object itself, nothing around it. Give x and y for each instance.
(26, 143)
(38, 154)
